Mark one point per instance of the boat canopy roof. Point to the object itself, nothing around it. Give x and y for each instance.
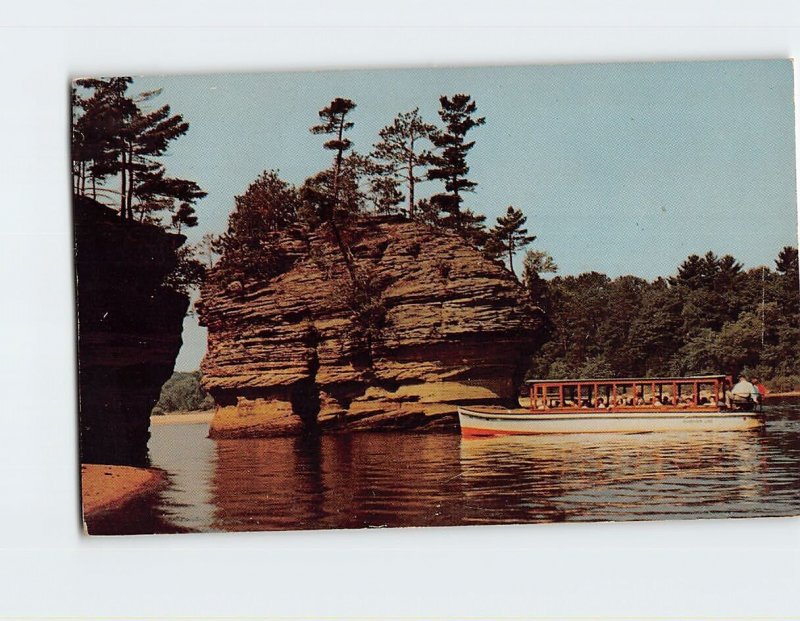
(629, 380)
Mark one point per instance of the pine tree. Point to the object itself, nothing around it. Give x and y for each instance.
(184, 216)
(335, 123)
(385, 194)
(508, 236)
(399, 152)
(449, 164)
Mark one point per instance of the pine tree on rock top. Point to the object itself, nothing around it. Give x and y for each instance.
(401, 156)
(449, 164)
(335, 123)
(508, 236)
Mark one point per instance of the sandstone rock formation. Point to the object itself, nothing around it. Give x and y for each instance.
(129, 330)
(432, 325)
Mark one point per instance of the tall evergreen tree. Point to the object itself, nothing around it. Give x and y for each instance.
(449, 164)
(335, 123)
(400, 153)
(509, 236)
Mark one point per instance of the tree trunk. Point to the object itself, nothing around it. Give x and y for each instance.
(130, 183)
(123, 188)
(411, 179)
(410, 188)
(347, 256)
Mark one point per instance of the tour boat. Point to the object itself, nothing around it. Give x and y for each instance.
(625, 405)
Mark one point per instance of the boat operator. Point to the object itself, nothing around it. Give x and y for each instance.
(743, 392)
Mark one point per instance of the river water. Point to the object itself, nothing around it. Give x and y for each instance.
(438, 479)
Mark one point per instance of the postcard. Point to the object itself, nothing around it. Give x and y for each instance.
(437, 296)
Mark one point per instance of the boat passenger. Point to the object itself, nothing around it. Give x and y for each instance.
(639, 400)
(761, 390)
(600, 403)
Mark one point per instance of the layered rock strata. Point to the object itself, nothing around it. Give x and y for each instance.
(428, 324)
(129, 330)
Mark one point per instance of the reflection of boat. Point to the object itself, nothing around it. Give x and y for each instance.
(630, 405)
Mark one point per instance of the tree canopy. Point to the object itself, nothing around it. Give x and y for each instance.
(712, 316)
(116, 135)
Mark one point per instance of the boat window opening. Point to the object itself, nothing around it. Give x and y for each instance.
(552, 396)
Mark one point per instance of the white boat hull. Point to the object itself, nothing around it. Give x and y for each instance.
(495, 421)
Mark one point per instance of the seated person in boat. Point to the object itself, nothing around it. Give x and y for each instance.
(600, 403)
(741, 394)
(760, 390)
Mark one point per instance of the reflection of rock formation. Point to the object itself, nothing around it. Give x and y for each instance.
(337, 481)
(129, 330)
(440, 325)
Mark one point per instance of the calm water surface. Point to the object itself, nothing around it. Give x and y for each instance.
(438, 479)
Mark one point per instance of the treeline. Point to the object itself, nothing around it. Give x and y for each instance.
(183, 393)
(712, 316)
(384, 180)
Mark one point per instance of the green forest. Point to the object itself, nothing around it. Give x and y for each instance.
(712, 315)
(183, 393)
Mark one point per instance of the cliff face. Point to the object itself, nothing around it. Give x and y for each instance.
(129, 330)
(432, 325)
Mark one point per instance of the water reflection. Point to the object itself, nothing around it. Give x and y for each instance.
(418, 479)
(344, 481)
(613, 477)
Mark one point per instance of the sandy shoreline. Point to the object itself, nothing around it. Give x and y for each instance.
(183, 418)
(105, 487)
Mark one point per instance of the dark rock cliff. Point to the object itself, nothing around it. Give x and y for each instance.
(294, 352)
(129, 330)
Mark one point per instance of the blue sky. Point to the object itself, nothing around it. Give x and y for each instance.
(620, 168)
